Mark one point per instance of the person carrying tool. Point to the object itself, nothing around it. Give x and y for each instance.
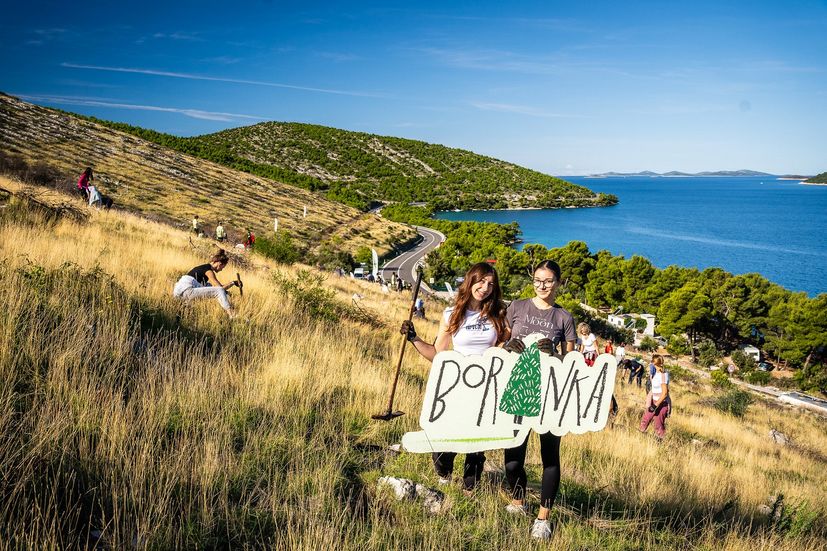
(475, 323)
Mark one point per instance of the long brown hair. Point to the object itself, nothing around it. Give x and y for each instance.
(492, 307)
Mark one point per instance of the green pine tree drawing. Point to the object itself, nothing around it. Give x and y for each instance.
(522, 393)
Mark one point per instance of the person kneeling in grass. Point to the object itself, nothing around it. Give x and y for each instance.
(201, 282)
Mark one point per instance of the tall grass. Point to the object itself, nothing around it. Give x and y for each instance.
(130, 420)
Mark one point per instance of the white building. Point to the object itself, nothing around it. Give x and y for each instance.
(751, 351)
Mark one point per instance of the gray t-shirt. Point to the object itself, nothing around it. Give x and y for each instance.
(556, 322)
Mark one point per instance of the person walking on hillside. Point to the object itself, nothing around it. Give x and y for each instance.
(474, 324)
(196, 225)
(588, 343)
(220, 234)
(609, 349)
(539, 314)
(84, 180)
(658, 402)
(620, 352)
(201, 282)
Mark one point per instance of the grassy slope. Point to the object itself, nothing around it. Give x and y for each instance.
(147, 178)
(165, 425)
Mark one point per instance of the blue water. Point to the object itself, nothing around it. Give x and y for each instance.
(777, 228)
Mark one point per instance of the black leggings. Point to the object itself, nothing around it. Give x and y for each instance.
(515, 473)
(444, 466)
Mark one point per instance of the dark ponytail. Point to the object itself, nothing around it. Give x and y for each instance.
(551, 266)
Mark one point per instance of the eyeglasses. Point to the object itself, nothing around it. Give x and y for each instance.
(544, 282)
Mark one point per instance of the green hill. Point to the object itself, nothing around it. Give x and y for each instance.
(818, 179)
(360, 169)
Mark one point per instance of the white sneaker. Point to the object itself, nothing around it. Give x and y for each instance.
(541, 530)
(444, 481)
(517, 509)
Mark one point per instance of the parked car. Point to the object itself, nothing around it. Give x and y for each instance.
(359, 273)
(765, 366)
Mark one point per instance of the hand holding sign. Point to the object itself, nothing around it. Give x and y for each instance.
(476, 403)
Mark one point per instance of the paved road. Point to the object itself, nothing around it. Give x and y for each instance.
(404, 265)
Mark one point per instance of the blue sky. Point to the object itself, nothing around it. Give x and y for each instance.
(563, 87)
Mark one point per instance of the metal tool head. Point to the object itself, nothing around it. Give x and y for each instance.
(387, 416)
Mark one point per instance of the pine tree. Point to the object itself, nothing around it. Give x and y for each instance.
(522, 393)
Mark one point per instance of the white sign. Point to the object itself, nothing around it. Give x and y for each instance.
(476, 403)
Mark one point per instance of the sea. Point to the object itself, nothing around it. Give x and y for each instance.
(777, 228)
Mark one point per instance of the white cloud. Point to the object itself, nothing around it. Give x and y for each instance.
(339, 56)
(95, 102)
(190, 76)
(520, 110)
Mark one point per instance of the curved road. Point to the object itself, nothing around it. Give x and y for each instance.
(404, 265)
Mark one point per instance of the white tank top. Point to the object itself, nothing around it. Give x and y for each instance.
(474, 335)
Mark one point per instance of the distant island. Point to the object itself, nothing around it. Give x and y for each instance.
(676, 174)
(818, 179)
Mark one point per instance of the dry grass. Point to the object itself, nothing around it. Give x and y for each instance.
(147, 178)
(162, 425)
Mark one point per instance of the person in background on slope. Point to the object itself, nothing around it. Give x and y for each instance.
(196, 225)
(220, 234)
(588, 343)
(658, 402)
(609, 348)
(95, 199)
(539, 314)
(474, 324)
(635, 370)
(250, 240)
(84, 180)
(201, 282)
(620, 352)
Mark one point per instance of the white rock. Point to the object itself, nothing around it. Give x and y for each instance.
(432, 500)
(779, 437)
(402, 487)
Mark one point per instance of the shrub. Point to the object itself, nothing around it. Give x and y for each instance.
(330, 258)
(362, 255)
(280, 248)
(648, 344)
(321, 303)
(744, 363)
(720, 379)
(735, 402)
(678, 345)
(758, 377)
(708, 354)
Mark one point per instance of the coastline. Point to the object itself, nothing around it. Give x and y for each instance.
(805, 183)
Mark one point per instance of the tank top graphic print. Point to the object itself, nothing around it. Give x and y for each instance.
(475, 334)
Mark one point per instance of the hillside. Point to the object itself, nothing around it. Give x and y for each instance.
(154, 180)
(132, 421)
(818, 179)
(361, 169)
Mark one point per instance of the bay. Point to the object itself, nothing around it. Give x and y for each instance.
(777, 228)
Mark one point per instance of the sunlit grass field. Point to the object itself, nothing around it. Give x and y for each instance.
(131, 420)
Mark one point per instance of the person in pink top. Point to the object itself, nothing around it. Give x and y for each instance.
(85, 179)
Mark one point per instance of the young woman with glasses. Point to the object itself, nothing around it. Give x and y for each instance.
(539, 314)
